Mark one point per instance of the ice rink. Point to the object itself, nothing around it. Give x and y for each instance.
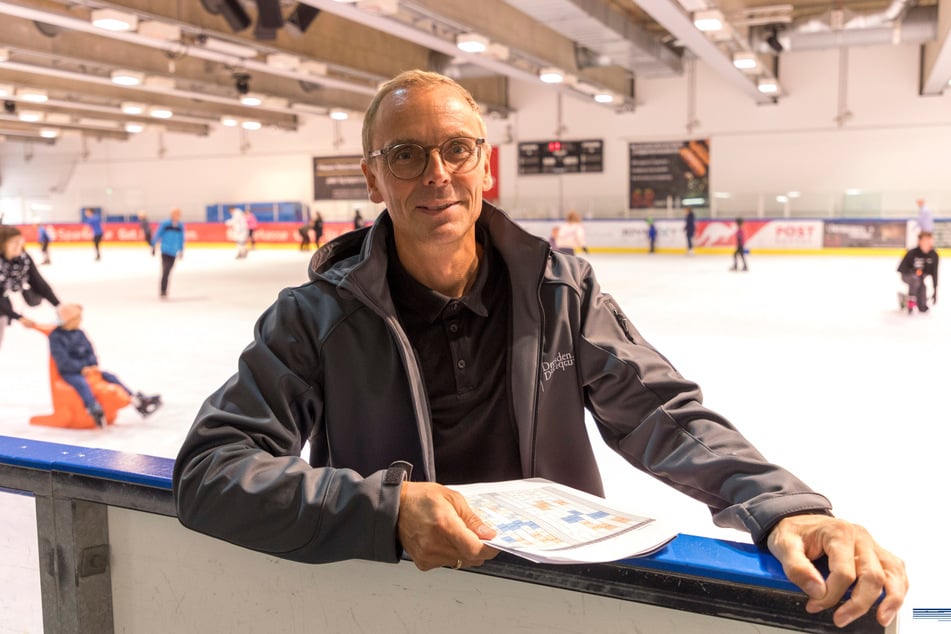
(808, 355)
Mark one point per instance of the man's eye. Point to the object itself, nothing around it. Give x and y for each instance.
(403, 154)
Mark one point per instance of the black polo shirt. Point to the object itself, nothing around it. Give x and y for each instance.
(462, 348)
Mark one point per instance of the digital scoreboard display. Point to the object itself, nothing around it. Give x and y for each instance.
(560, 157)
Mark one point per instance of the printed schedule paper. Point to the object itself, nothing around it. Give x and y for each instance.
(551, 523)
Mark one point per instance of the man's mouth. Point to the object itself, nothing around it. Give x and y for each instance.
(436, 207)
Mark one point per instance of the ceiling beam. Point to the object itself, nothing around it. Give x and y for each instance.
(10, 122)
(936, 56)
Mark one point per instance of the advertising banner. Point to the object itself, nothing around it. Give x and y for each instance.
(267, 232)
(864, 233)
(679, 169)
(339, 178)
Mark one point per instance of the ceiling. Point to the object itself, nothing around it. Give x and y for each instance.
(195, 59)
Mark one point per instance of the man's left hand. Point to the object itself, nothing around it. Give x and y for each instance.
(854, 557)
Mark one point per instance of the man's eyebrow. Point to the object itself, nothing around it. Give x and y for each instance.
(455, 134)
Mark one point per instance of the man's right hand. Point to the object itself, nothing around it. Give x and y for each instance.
(438, 528)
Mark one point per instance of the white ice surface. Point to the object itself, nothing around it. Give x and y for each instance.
(808, 356)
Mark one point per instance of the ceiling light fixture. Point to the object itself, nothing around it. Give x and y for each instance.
(314, 68)
(604, 97)
(4, 55)
(283, 61)
(112, 20)
(159, 84)
(745, 61)
(472, 42)
(160, 112)
(251, 125)
(339, 115)
(498, 51)
(160, 30)
(6, 90)
(30, 116)
(229, 122)
(708, 21)
(768, 86)
(49, 133)
(134, 128)
(551, 75)
(127, 77)
(32, 95)
(230, 48)
(132, 108)
(251, 99)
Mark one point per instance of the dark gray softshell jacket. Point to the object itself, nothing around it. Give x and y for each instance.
(331, 364)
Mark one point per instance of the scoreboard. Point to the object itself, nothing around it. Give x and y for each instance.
(560, 157)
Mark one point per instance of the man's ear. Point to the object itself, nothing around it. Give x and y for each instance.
(372, 190)
(487, 179)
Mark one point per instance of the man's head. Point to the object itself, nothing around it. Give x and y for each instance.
(71, 315)
(176, 214)
(427, 122)
(89, 213)
(573, 216)
(920, 202)
(925, 241)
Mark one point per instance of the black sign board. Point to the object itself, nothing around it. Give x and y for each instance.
(339, 178)
(560, 157)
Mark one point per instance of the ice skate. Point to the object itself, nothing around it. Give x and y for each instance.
(902, 300)
(146, 405)
(95, 411)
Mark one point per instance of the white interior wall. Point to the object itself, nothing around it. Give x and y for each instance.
(893, 145)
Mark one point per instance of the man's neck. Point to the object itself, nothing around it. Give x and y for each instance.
(449, 269)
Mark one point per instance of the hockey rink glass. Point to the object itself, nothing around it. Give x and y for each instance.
(408, 161)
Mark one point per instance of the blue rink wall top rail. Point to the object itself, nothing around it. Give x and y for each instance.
(73, 486)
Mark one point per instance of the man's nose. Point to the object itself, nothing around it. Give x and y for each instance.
(436, 170)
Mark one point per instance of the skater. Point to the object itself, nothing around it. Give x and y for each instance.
(690, 228)
(252, 222)
(571, 235)
(304, 232)
(238, 228)
(925, 216)
(171, 237)
(75, 359)
(18, 274)
(94, 221)
(918, 264)
(146, 229)
(651, 234)
(740, 245)
(318, 228)
(43, 235)
(358, 221)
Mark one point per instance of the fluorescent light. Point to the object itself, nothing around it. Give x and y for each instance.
(134, 128)
(251, 125)
(160, 113)
(283, 61)
(768, 86)
(782, 199)
(32, 95)
(229, 122)
(112, 20)
(551, 75)
(6, 90)
(745, 61)
(4, 54)
(604, 97)
(127, 77)
(30, 116)
(129, 107)
(314, 68)
(472, 42)
(708, 21)
(229, 48)
(49, 133)
(160, 30)
(251, 99)
(339, 115)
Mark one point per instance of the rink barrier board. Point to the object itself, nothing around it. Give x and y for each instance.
(73, 486)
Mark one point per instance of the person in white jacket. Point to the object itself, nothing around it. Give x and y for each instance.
(238, 230)
(570, 237)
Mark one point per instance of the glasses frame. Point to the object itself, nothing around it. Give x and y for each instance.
(428, 151)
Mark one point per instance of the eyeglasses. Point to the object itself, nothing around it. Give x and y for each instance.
(408, 161)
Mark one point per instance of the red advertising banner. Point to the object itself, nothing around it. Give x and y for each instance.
(270, 232)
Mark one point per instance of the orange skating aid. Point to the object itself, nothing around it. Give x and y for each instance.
(68, 409)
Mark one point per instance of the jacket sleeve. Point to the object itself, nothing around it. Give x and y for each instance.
(39, 285)
(66, 359)
(239, 475)
(653, 417)
(905, 266)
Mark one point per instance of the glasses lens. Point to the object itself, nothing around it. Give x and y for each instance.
(458, 154)
(408, 161)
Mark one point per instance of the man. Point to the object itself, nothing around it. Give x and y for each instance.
(424, 340)
(146, 227)
(94, 220)
(171, 237)
(918, 264)
(925, 216)
(690, 228)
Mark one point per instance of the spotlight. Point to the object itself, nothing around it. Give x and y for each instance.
(773, 40)
(269, 14)
(301, 18)
(242, 83)
(231, 10)
(10, 107)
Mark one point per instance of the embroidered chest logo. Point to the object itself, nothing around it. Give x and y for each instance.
(562, 361)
